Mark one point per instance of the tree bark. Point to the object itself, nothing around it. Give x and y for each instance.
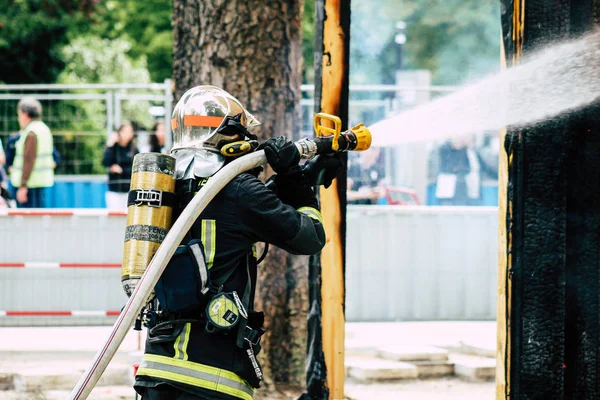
(252, 49)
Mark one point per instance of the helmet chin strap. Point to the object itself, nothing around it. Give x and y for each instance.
(233, 126)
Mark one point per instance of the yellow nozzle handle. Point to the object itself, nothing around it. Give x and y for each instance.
(321, 130)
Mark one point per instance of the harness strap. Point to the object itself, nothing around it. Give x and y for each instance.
(151, 197)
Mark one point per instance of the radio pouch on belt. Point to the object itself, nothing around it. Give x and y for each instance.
(185, 280)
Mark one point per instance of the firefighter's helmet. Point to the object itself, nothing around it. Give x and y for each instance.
(207, 117)
(208, 125)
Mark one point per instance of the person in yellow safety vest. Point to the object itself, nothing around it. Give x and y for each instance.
(204, 333)
(33, 168)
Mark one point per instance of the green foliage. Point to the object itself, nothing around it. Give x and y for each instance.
(146, 24)
(95, 60)
(32, 33)
(457, 40)
(308, 42)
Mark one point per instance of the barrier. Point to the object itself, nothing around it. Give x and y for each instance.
(62, 266)
(78, 191)
(406, 263)
(87, 191)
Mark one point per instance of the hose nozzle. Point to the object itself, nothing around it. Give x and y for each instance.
(357, 138)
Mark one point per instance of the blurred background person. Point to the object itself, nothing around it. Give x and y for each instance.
(365, 176)
(2, 164)
(488, 154)
(32, 170)
(10, 158)
(2, 155)
(142, 137)
(4, 194)
(157, 137)
(489, 157)
(458, 180)
(118, 158)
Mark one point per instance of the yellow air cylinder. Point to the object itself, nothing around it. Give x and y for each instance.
(149, 213)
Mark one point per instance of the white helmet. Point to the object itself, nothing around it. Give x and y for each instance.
(208, 125)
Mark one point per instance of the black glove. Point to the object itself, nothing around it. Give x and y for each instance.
(282, 155)
(322, 169)
(295, 191)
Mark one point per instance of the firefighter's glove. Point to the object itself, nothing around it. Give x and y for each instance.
(295, 190)
(282, 155)
(322, 169)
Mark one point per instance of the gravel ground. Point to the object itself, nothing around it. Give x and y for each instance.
(435, 389)
(438, 389)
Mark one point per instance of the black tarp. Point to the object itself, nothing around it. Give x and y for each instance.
(554, 194)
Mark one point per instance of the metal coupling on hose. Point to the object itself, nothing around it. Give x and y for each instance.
(307, 148)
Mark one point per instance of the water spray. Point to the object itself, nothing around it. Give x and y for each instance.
(552, 81)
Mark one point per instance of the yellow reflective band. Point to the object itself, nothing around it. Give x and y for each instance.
(217, 387)
(209, 238)
(187, 330)
(181, 343)
(176, 347)
(195, 374)
(311, 212)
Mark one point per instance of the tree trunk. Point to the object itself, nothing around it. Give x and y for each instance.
(252, 49)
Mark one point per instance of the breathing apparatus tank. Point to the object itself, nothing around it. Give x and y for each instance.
(149, 213)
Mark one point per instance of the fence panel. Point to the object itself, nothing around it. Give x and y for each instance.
(421, 263)
(62, 267)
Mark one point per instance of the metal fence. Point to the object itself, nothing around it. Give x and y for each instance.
(82, 116)
(62, 267)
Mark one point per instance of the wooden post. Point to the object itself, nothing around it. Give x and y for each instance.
(511, 37)
(331, 96)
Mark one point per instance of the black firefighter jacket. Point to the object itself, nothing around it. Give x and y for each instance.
(245, 212)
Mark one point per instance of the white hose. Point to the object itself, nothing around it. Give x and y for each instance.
(164, 253)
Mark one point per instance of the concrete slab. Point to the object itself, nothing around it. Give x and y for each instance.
(413, 353)
(474, 367)
(360, 348)
(479, 348)
(441, 334)
(433, 369)
(53, 339)
(420, 389)
(369, 369)
(61, 376)
(98, 393)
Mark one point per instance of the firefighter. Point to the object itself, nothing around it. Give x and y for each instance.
(203, 339)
